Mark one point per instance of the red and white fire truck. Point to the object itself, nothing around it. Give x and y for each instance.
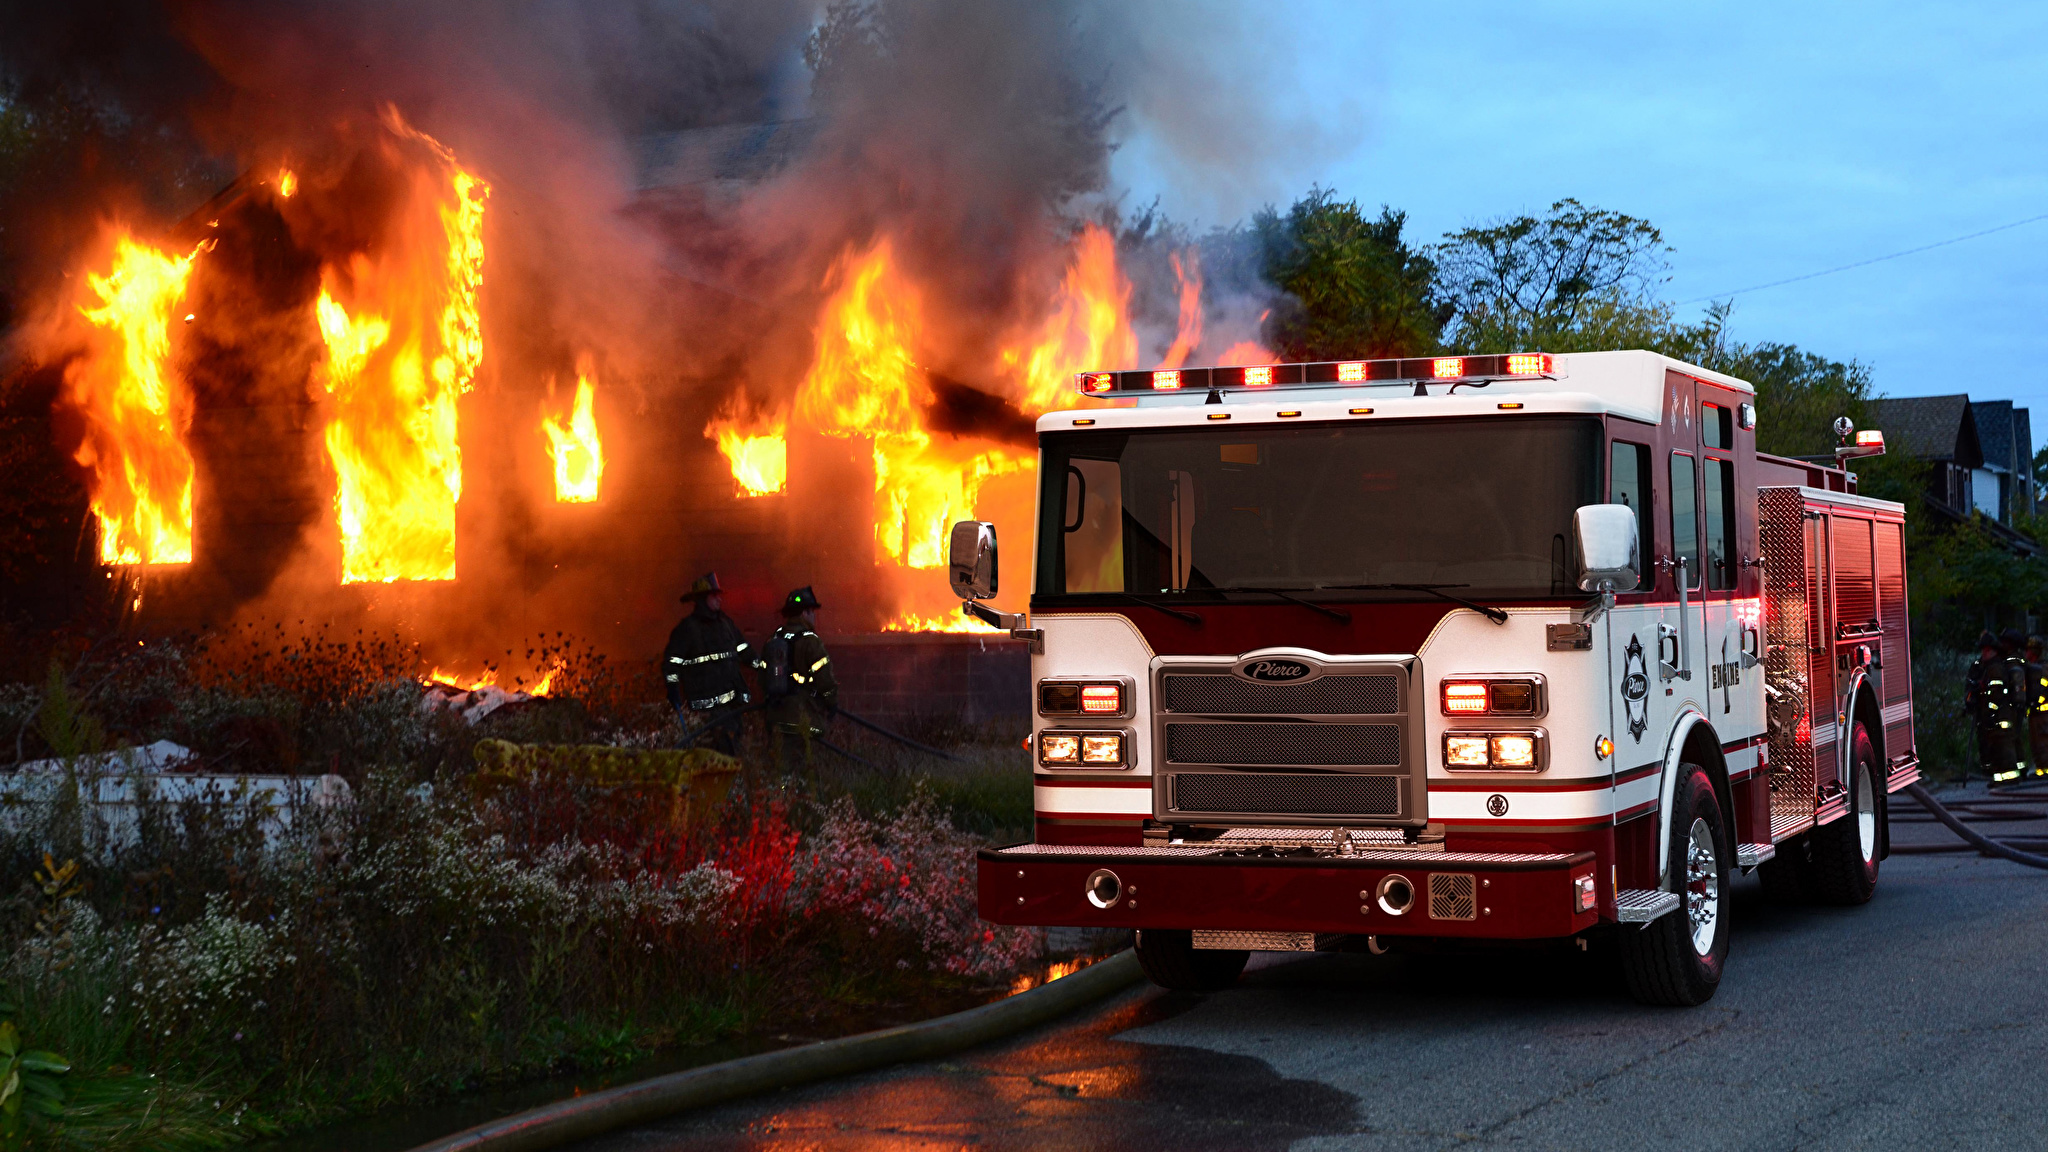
(1523, 647)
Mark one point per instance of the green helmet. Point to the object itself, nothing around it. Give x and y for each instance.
(801, 600)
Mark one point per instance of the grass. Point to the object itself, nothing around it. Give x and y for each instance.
(215, 979)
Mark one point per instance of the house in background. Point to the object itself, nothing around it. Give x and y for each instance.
(1981, 456)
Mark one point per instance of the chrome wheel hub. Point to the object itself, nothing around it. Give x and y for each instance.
(1702, 886)
(1866, 813)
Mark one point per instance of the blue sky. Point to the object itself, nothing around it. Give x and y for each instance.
(1766, 141)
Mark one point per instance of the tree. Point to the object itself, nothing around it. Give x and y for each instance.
(1530, 282)
(1355, 289)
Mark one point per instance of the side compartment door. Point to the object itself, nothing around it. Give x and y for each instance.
(1857, 635)
(1820, 655)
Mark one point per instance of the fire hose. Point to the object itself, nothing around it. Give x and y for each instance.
(906, 741)
(1976, 839)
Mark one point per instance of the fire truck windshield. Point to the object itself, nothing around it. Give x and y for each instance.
(1484, 506)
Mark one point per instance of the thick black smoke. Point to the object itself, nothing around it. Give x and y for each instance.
(978, 136)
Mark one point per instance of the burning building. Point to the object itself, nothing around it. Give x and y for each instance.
(487, 367)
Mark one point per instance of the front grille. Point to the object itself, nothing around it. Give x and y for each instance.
(1320, 745)
(1224, 694)
(1452, 896)
(1329, 795)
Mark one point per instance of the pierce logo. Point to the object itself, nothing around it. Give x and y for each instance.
(1280, 670)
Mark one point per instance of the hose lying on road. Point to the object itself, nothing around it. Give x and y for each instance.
(1982, 843)
(582, 1117)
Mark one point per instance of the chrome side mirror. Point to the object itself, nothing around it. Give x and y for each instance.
(971, 560)
(1606, 536)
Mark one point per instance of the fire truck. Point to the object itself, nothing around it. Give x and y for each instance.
(1441, 651)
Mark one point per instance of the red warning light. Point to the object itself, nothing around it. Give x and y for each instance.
(1530, 364)
(1097, 381)
(1165, 381)
(1447, 367)
(1258, 377)
(1350, 373)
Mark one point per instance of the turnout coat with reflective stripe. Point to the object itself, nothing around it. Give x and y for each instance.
(702, 666)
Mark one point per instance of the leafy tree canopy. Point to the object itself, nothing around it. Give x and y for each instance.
(1356, 289)
(1535, 277)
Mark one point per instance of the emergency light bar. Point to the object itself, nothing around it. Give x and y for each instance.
(1432, 369)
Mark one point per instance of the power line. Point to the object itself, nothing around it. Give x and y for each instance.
(1865, 263)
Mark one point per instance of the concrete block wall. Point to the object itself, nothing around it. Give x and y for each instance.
(897, 678)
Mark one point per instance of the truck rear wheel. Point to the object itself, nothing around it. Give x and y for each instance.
(1677, 959)
(1842, 868)
(1170, 958)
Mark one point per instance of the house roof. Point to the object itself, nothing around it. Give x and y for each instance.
(1930, 427)
(1998, 432)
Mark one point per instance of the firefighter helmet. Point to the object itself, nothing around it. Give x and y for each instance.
(801, 600)
(705, 585)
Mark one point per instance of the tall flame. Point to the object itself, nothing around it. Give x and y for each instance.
(403, 342)
(865, 382)
(756, 447)
(574, 447)
(1089, 324)
(1188, 274)
(136, 409)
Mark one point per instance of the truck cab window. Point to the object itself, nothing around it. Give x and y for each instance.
(1723, 565)
(1685, 516)
(1093, 529)
(1628, 482)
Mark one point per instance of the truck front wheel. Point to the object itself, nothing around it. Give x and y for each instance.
(1677, 958)
(1170, 958)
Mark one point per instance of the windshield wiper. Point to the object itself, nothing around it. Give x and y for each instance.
(1337, 614)
(1436, 590)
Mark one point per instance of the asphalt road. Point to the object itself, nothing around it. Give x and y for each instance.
(1917, 1021)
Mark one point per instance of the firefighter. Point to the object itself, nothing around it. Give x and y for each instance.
(703, 668)
(1994, 702)
(2037, 705)
(802, 694)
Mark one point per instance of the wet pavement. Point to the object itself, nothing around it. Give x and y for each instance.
(1914, 1021)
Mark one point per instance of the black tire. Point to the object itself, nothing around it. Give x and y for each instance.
(1170, 958)
(1661, 962)
(1842, 864)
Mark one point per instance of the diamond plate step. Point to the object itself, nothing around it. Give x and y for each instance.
(1226, 941)
(1751, 855)
(1642, 905)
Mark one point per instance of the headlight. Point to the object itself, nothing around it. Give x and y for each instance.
(1514, 751)
(1523, 751)
(1104, 749)
(1057, 748)
(1465, 752)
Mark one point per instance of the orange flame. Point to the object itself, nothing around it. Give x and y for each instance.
(287, 183)
(136, 410)
(465, 683)
(1245, 352)
(1189, 276)
(1090, 324)
(756, 447)
(575, 449)
(403, 342)
(865, 382)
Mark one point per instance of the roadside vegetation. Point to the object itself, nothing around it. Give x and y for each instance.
(215, 969)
